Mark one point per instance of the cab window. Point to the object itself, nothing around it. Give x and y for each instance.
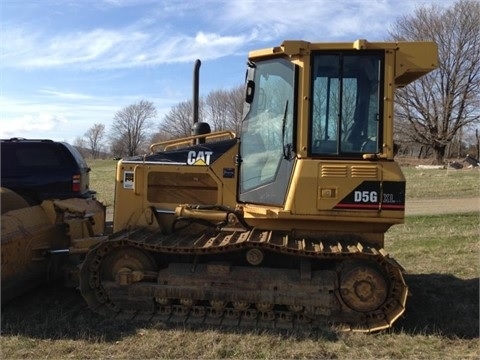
(346, 107)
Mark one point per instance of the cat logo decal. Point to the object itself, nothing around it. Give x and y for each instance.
(199, 157)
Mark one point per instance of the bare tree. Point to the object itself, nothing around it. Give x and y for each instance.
(131, 127)
(94, 138)
(117, 148)
(159, 136)
(179, 120)
(216, 109)
(223, 108)
(477, 143)
(434, 108)
(472, 143)
(80, 145)
(235, 101)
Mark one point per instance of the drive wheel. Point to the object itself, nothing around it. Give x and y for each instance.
(363, 286)
(126, 259)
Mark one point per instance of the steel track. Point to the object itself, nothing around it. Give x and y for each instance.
(137, 300)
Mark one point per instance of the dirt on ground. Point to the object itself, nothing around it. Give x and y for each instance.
(441, 206)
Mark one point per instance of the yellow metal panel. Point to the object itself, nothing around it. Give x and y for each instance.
(413, 60)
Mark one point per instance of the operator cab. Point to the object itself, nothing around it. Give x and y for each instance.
(344, 117)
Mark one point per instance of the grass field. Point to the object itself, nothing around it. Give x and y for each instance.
(102, 179)
(440, 254)
(424, 184)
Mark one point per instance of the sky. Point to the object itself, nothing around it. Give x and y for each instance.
(66, 65)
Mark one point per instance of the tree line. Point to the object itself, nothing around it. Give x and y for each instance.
(131, 132)
(435, 116)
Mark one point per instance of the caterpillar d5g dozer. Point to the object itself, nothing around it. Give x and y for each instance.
(283, 226)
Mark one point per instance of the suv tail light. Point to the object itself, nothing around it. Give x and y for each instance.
(76, 183)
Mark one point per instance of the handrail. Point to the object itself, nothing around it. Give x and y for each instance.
(188, 140)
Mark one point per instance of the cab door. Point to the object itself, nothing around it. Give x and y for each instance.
(266, 143)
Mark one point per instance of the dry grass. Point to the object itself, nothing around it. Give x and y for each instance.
(441, 257)
(425, 184)
(443, 243)
(102, 179)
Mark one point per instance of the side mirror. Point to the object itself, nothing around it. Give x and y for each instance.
(250, 91)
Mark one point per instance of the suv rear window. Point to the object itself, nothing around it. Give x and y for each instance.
(44, 169)
(35, 157)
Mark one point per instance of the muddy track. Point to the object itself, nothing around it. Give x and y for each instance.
(119, 278)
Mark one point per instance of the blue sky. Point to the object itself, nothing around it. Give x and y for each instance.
(68, 64)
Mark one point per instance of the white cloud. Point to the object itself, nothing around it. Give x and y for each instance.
(65, 95)
(51, 115)
(30, 124)
(147, 42)
(111, 49)
(85, 49)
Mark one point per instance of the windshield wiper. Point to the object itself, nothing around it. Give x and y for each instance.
(287, 148)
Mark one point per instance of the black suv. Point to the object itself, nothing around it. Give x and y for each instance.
(44, 169)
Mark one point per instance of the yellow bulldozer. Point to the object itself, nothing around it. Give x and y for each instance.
(280, 225)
